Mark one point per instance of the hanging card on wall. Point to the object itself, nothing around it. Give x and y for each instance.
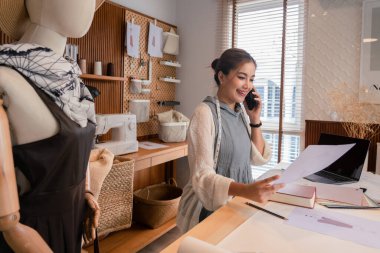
(132, 39)
(155, 41)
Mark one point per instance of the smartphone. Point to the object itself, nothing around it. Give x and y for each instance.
(250, 99)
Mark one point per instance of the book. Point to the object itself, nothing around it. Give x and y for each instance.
(367, 203)
(297, 195)
(337, 193)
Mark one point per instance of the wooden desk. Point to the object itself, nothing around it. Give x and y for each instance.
(138, 236)
(218, 225)
(267, 236)
(147, 158)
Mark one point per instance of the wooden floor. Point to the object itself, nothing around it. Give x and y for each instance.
(132, 239)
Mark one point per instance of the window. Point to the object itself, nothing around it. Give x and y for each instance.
(272, 31)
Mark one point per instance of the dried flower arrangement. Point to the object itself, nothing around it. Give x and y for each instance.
(358, 120)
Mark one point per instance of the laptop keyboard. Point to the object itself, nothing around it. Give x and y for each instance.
(331, 176)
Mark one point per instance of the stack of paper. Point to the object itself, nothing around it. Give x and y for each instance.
(343, 197)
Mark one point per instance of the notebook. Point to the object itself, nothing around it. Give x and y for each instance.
(295, 194)
(348, 168)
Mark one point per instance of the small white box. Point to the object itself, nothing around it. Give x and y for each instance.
(140, 108)
(173, 131)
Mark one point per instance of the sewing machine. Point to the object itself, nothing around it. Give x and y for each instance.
(124, 137)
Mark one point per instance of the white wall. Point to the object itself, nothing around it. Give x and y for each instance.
(164, 10)
(332, 55)
(196, 22)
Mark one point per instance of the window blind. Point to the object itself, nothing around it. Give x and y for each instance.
(224, 25)
(272, 31)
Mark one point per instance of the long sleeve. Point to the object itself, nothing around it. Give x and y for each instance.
(211, 188)
(206, 188)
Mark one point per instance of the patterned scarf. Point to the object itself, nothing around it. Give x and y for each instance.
(55, 76)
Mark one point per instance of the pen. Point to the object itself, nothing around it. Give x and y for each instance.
(267, 211)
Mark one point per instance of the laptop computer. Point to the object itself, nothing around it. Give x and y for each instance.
(348, 168)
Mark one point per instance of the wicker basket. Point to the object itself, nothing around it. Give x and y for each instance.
(116, 198)
(156, 204)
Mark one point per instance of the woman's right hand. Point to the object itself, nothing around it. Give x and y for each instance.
(259, 191)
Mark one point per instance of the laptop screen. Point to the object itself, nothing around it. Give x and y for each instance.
(349, 165)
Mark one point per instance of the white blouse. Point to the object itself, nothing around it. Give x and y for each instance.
(205, 187)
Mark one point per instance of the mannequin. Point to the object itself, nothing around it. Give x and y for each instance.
(47, 23)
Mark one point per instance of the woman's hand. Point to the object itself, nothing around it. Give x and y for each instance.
(259, 191)
(91, 221)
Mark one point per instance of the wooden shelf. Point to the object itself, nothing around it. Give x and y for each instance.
(170, 80)
(145, 158)
(103, 78)
(138, 236)
(171, 64)
(132, 239)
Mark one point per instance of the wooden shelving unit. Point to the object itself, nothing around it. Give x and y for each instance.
(103, 78)
(133, 239)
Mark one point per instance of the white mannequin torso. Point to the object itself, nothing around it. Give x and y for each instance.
(52, 22)
(29, 118)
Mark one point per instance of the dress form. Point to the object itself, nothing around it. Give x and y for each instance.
(52, 21)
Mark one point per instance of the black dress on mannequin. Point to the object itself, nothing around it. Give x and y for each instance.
(56, 169)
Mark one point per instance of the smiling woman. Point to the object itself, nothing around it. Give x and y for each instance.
(224, 139)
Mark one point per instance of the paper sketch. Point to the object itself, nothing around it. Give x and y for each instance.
(155, 41)
(314, 158)
(342, 226)
(132, 40)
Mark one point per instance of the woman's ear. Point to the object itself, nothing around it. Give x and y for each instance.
(221, 77)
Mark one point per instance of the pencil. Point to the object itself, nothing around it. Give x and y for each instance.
(267, 211)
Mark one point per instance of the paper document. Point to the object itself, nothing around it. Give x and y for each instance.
(371, 182)
(313, 159)
(150, 145)
(155, 41)
(342, 226)
(132, 40)
(267, 234)
(193, 245)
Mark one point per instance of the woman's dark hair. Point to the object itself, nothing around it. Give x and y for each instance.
(230, 59)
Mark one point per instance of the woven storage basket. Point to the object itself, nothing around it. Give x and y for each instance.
(173, 131)
(156, 204)
(116, 197)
